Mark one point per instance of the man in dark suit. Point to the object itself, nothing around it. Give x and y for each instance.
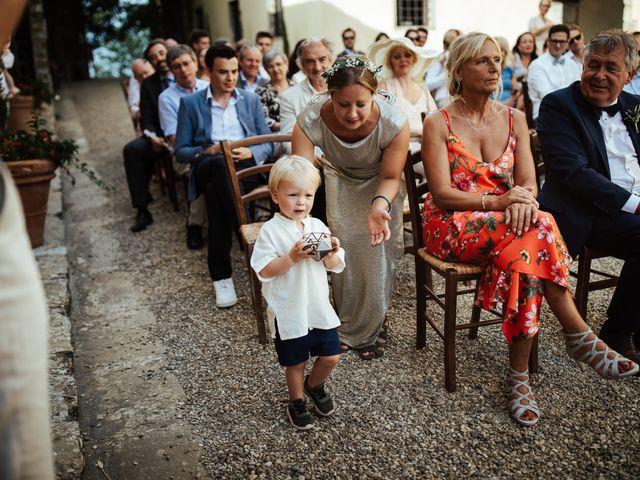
(590, 140)
(221, 112)
(141, 154)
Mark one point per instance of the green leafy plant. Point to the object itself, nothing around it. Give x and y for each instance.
(42, 145)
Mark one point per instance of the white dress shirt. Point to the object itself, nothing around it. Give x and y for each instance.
(299, 298)
(133, 95)
(292, 102)
(436, 81)
(623, 162)
(225, 124)
(547, 74)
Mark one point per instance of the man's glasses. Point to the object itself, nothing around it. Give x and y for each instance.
(557, 42)
(575, 39)
(348, 38)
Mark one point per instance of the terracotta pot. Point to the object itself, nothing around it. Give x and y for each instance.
(21, 108)
(33, 178)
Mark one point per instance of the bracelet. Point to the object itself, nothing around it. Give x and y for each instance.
(385, 199)
(482, 197)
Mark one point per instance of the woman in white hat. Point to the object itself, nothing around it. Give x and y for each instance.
(404, 65)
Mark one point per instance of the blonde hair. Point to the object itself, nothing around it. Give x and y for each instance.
(293, 168)
(387, 58)
(462, 49)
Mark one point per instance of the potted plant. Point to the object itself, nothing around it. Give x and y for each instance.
(28, 100)
(33, 157)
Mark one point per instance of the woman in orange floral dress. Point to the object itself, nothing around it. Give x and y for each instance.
(485, 213)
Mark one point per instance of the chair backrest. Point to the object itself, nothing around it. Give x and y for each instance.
(124, 85)
(416, 191)
(538, 159)
(528, 105)
(240, 200)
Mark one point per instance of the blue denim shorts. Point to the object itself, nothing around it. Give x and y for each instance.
(316, 343)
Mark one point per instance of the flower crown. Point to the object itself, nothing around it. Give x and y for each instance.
(351, 62)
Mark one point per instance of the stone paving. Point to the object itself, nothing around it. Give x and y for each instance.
(171, 387)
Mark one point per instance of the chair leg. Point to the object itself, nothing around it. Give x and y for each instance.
(582, 287)
(171, 182)
(160, 175)
(421, 303)
(450, 299)
(475, 316)
(533, 356)
(256, 299)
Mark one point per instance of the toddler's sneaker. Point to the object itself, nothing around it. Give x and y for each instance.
(298, 414)
(321, 399)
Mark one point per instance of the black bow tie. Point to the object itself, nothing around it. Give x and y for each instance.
(611, 109)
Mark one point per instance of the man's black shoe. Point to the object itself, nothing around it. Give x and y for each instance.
(321, 399)
(620, 342)
(143, 219)
(194, 237)
(298, 415)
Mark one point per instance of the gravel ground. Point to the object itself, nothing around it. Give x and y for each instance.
(394, 417)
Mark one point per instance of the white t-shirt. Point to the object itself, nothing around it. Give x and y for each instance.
(299, 299)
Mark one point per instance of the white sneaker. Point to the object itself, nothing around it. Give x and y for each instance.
(225, 293)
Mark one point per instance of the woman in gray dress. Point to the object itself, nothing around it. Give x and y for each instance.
(365, 142)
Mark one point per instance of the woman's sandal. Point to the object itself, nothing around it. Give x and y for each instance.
(372, 351)
(382, 339)
(607, 368)
(518, 408)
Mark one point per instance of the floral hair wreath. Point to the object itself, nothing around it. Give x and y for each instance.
(351, 62)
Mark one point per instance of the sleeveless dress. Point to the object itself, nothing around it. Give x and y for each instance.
(425, 103)
(516, 264)
(362, 292)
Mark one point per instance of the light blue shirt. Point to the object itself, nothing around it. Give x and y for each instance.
(251, 87)
(169, 101)
(634, 85)
(225, 124)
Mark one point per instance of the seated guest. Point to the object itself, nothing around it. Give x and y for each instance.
(412, 34)
(349, 42)
(591, 145)
(203, 73)
(140, 69)
(506, 74)
(634, 85)
(277, 65)
(524, 52)
(550, 71)
(220, 112)
(141, 154)
(170, 43)
(436, 78)
(576, 45)
(182, 62)
(403, 68)
(314, 58)
(199, 39)
(381, 36)
(423, 35)
(264, 41)
(483, 211)
(250, 59)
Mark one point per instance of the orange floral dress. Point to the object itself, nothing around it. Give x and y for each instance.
(515, 263)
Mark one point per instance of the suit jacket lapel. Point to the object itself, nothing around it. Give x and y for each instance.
(205, 111)
(243, 114)
(590, 119)
(626, 105)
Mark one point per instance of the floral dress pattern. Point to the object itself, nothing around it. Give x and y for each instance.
(270, 100)
(516, 264)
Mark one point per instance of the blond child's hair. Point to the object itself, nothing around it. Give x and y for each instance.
(291, 168)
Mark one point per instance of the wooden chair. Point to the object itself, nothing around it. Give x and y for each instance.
(584, 284)
(249, 231)
(453, 274)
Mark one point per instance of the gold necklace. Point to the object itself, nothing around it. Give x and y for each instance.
(477, 129)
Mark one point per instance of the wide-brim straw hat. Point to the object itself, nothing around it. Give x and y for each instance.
(378, 52)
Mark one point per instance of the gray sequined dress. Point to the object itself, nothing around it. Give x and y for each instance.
(362, 292)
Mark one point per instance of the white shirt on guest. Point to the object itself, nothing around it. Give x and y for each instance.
(225, 124)
(546, 75)
(299, 298)
(133, 95)
(623, 161)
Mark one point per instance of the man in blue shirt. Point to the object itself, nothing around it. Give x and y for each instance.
(183, 64)
(221, 112)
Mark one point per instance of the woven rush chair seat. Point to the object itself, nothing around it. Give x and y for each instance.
(459, 268)
(249, 230)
